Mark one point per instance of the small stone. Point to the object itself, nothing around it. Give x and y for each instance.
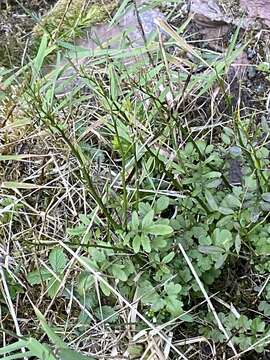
(251, 72)
(251, 53)
(235, 151)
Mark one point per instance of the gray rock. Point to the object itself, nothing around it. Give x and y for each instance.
(127, 33)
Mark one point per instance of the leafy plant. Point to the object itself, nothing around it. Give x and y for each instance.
(153, 177)
(58, 262)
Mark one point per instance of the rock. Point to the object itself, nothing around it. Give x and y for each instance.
(210, 18)
(214, 18)
(257, 10)
(125, 33)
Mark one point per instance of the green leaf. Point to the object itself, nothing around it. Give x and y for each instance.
(223, 238)
(226, 139)
(172, 289)
(38, 276)
(157, 303)
(90, 262)
(36, 350)
(220, 261)
(56, 340)
(264, 67)
(53, 287)
(85, 282)
(187, 318)
(20, 355)
(257, 325)
(205, 240)
(233, 201)
(205, 263)
(213, 184)
(265, 206)
(106, 312)
(147, 292)
(225, 211)
(211, 201)
(104, 288)
(162, 204)
(158, 243)
(145, 241)
(136, 243)
(42, 53)
(118, 272)
(244, 323)
(15, 157)
(209, 250)
(243, 341)
(189, 148)
(168, 258)
(148, 219)
(18, 185)
(98, 255)
(212, 175)
(114, 86)
(76, 231)
(159, 229)
(135, 221)
(85, 219)
(41, 351)
(237, 244)
(135, 351)
(58, 260)
(264, 306)
(68, 354)
(173, 305)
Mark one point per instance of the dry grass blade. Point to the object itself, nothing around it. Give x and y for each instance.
(209, 302)
(180, 41)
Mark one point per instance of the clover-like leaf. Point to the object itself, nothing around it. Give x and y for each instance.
(107, 313)
(118, 272)
(53, 287)
(174, 305)
(172, 289)
(58, 260)
(162, 204)
(38, 276)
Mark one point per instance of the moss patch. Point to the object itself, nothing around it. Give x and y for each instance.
(68, 17)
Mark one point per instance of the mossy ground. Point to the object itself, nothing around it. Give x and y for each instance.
(67, 14)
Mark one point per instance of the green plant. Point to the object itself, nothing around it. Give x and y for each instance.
(244, 332)
(58, 262)
(160, 188)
